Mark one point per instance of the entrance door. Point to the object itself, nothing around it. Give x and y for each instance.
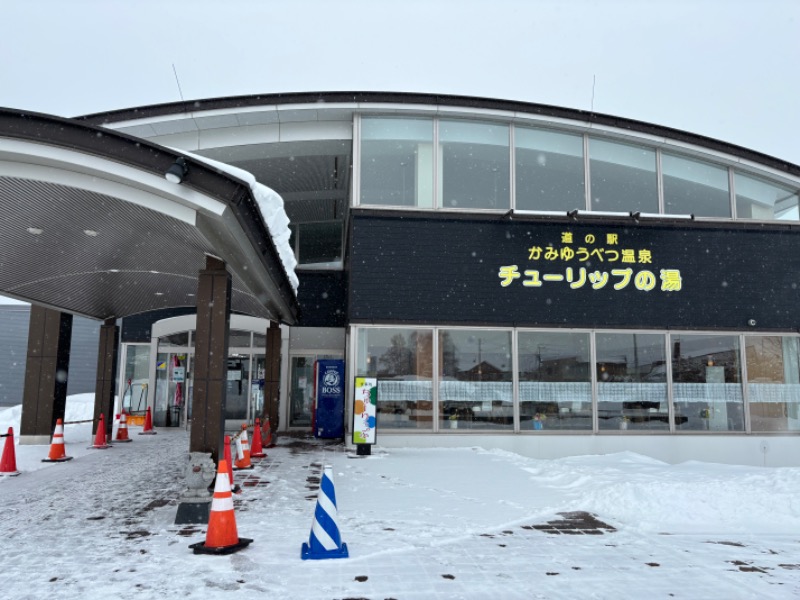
(257, 386)
(237, 394)
(302, 390)
(244, 397)
(173, 389)
(301, 387)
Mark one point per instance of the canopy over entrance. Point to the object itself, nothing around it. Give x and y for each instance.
(91, 226)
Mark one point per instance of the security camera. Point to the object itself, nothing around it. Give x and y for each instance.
(751, 322)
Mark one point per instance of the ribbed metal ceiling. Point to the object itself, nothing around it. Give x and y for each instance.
(99, 256)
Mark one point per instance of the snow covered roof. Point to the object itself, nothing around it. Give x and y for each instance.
(272, 210)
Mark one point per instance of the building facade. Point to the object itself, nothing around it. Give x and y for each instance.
(528, 277)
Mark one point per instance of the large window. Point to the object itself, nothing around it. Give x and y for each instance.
(549, 170)
(475, 161)
(475, 375)
(706, 383)
(631, 381)
(397, 162)
(694, 187)
(555, 384)
(402, 361)
(460, 164)
(579, 381)
(773, 382)
(136, 376)
(759, 199)
(623, 177)
(317, 244)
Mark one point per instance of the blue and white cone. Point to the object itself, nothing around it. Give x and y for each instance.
(325, 541)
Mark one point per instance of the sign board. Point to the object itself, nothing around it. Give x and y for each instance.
(565, 273)
(365, 410)
(178, 374)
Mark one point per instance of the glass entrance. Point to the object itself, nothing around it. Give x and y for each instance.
(302, 390)
(238, 391)
(257, 386)
(244, 396)
(173, 389)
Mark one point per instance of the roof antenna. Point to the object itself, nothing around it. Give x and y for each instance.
(178, 81)
(594, 80)
(180, 92)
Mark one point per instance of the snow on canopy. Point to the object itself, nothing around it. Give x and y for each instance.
(271, 206)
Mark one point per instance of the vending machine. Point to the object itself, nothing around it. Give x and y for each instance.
(329, 405)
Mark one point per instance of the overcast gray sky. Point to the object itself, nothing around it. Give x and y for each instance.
(723, 68)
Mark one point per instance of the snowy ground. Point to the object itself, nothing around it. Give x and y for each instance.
(448, 523)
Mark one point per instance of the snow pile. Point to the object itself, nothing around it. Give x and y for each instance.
(272, 210)
(80, 407)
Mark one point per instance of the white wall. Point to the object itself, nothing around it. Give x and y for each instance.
(769, 451)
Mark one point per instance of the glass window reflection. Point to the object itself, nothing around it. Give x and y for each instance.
(397, 162)
(320, 243)
(475, 380)
(623, 177)
(759, 199)
(631, 381)
(694, 187)
(555, 389)
(402, 361)
(549, 170)
(706, 383)
(773, 382)
(475, 159)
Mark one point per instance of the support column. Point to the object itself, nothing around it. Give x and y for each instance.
(44, 399)
(272, 375)
(106, 375)
(211, 358)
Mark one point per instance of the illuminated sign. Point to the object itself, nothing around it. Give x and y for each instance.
(550, 261)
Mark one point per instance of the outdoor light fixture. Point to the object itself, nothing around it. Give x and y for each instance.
(177, 171)
(639, 215)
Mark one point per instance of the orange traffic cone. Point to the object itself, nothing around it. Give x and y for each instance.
(8, 463)
(57, 449)
(243, 455)
(148, 424)
(257, 451)
(221, 536)
(227, 455)
(122, 432)
(267, 441)
(100, 437)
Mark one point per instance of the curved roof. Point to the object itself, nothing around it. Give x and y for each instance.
(408, 100)
(91, 226)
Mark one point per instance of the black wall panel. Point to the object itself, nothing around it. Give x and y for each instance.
(323, 299)
(440, 270)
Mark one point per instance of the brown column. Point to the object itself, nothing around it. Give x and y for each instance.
(47, 365)
(106, 375)
(211, 358)
(272, 375)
